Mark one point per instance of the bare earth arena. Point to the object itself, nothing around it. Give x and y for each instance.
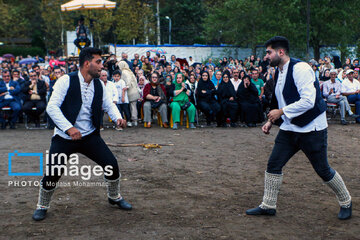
(197, 189)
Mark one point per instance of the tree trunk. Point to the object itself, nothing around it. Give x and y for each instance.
(317, 51)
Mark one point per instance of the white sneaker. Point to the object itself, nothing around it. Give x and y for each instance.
(129, 124)
(119, 129)
(135, 124)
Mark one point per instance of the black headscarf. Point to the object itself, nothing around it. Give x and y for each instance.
(208, 86)
(226, 90)
(249, 94)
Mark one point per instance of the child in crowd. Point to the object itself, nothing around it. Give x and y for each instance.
(123, 102)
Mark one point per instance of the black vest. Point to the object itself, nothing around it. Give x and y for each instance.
(72, 102)
(291, 95)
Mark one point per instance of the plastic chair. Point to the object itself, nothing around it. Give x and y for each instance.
(153, 111)
(182, 113)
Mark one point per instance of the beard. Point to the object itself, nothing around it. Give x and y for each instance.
(275, 62)
(94, 73)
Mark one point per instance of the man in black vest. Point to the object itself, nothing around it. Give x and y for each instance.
(298, 108)
(75, 107)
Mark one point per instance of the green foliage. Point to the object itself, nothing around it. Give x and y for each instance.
(187, 17)
(250, 23)
(23, 51)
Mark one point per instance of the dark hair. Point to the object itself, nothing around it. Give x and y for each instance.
(278, 42)
(247, 76)
(15, 70)
(86, 54)
(202, 72)
(226, 72)
(117, 72)
(35, 66)
(6, 71)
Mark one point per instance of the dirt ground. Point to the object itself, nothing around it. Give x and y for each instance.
(197, 189)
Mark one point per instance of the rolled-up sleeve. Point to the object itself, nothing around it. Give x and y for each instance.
(57, 97)
(304, 79)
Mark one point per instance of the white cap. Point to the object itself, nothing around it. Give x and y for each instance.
(349, 71)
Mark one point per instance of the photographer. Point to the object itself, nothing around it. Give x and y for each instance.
(82, 33)
(110, 64)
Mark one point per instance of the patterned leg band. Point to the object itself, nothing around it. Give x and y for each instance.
(338, 186)
(271, 189)
(44, 198)
(113, 188)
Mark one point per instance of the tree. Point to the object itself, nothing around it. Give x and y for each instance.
(187, 17)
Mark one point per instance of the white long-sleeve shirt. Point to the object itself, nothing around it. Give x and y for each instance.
(111, 90)
(83, 121)
(349, 87)
(304, 78)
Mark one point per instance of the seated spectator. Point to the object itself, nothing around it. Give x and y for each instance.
(236, 80)
(9, 97)
(351, 89)
(180, 101)
(206, 100)
(192, 83)
(259, 83)
(123, 100)
(141, 85)
(249, 103)
(332, 93)
(17, 78)
(35, 91)
(227, 98)
(147, 67)
(325, 76)
(216, 79)
(155, 98)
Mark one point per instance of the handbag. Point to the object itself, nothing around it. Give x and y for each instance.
(156, 104)
(185, 106)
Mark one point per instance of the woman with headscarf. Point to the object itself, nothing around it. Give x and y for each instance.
(180, 101)
(206, 99)
(249, 103)
(216, 78)
(155, 98)
(141, 84)
(133, 91)
(227, 99)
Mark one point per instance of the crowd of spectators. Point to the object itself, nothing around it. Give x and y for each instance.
(226, 91)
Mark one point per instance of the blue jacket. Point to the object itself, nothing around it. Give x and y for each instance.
(14, 93)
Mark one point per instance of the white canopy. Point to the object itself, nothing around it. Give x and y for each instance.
(87, 4)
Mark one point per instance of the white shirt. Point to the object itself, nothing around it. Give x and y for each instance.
(304, 78)
(120, 85)
(348, 87)
(328, 85)
(83, 121)
(7, 94)
(111, 90)
(235, 83)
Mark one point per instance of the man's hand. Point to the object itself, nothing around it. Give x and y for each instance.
(121, 123)
(231, 98)
(275, 114)
(74, 133)
(266, 128)
(11, 88)
(157, 99)
(203, 91)
(337, 96)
